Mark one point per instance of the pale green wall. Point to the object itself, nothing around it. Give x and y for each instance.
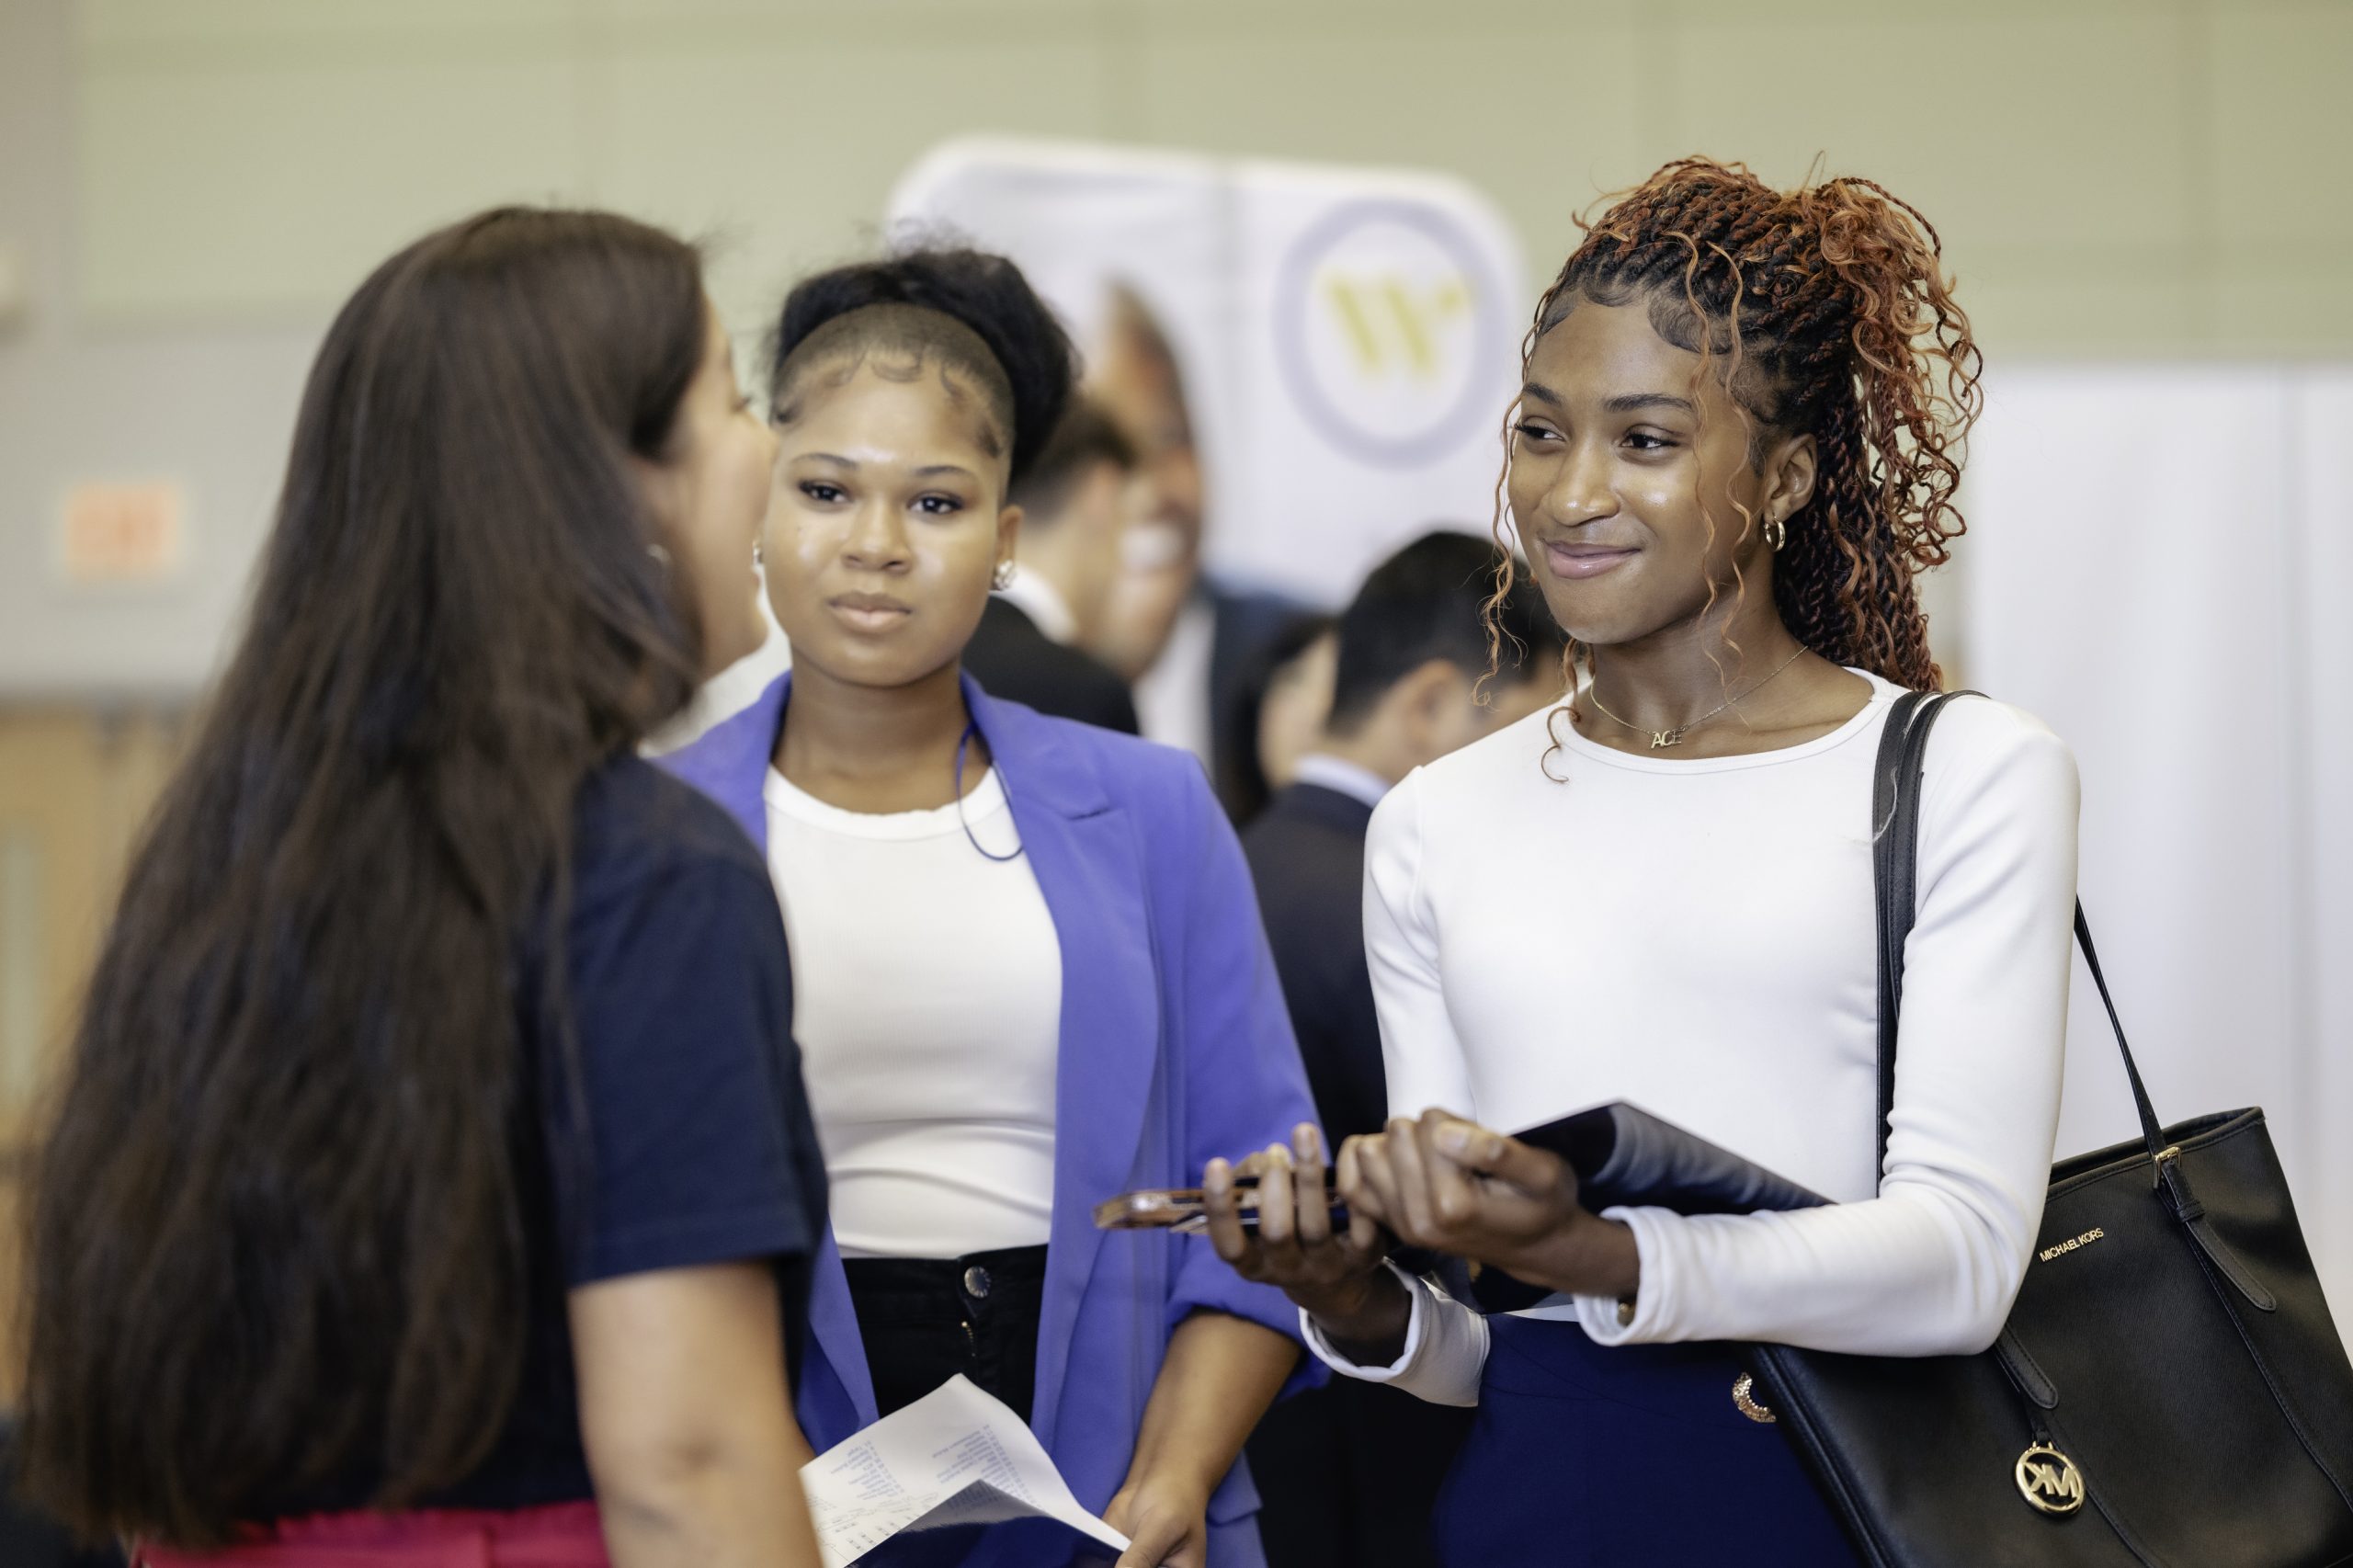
(2121, 176)
(195, 183)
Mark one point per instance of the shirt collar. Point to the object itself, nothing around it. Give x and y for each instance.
(1327, 772)
(1039, 600)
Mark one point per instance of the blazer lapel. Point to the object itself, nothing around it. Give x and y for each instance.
(728, 762)
(1084, 852)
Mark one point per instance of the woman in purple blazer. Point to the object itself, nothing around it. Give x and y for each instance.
(1029, 971)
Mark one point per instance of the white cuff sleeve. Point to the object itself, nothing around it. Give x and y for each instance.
(1597, 1315)
(1446, 1348)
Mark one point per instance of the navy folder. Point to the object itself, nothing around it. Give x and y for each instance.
(1624, 1155)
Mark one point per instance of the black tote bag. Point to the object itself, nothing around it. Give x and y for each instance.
(2170, 1390)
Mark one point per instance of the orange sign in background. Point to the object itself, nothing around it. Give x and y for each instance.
(123, 533)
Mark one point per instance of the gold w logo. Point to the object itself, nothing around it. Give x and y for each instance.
(1382, 315)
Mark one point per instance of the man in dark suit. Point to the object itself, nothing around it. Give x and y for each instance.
(1075, 505)
(1350, 1472)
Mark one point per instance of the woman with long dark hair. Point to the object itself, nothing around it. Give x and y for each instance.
(1033, 970)
(1737, 440)
(433, 1174)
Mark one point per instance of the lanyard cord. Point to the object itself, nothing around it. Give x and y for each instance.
(964, 743)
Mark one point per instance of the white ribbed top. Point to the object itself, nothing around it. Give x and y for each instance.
(1696, 937)
(927, 986)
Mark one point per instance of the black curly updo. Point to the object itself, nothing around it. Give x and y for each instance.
(969, 313)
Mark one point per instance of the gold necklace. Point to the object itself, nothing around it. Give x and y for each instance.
(1661, 739)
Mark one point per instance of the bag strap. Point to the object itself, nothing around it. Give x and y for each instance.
(2151, 1128)
(1895, 843)
(1894, 867)
(1895, 849)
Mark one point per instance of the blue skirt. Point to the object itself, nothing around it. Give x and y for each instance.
(1584, 1456)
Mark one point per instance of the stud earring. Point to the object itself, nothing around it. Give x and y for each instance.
(661, 556)
(1003, 577)
(1777, 533)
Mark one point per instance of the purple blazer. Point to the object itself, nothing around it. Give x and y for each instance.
(1176, 1048)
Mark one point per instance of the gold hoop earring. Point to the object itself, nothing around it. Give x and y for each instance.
(1777, 534)
(1002, 578)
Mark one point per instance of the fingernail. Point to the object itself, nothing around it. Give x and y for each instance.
(1453, 1139)
(1216, 1174)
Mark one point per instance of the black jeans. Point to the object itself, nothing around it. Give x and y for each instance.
(924, 1319)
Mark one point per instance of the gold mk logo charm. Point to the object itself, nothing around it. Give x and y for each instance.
(2049, 1482)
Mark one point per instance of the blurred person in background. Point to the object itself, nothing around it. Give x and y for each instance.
(432, 1176)
(1350, 1471)
(1030, 645)
(1297, 699)
(1193, 647)
(1411, 685)
(1033, 974)
(1134, 378)
(1281, 693)
(1737, 440)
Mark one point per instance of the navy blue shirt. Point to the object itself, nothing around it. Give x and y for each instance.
(683, 1077)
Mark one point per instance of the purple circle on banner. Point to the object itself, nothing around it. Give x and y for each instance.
(1389, 332)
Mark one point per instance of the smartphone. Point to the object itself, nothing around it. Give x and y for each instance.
(1182, 1209)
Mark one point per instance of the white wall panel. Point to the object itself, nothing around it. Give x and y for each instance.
(2322, 740)
(2139, 576)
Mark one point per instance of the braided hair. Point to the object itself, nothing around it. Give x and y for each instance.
(1831, 304)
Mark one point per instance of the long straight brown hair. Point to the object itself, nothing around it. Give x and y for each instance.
(276, 1230)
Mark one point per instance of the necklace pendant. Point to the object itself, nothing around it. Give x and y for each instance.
(1661, 739)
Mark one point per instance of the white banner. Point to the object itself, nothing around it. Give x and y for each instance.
(2152, 566)
(1348, 337)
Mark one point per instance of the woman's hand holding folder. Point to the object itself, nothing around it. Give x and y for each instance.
(1451, 1185)
(1440, 1183)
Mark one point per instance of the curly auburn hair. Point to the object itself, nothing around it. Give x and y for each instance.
(1832, 305)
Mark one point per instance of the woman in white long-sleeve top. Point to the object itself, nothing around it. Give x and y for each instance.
(1737, 440)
